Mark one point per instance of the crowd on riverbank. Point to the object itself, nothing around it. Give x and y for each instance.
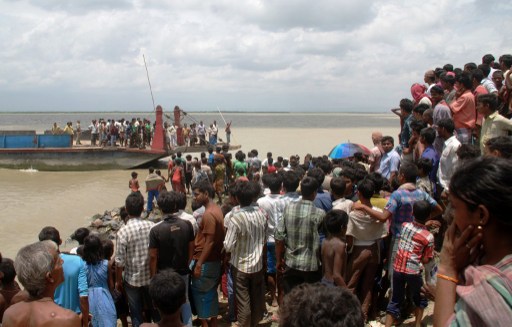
(322, 239)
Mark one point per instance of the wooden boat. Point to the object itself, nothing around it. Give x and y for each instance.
(26, 149)
(77, 159)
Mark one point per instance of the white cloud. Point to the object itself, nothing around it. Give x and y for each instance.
(255, 55)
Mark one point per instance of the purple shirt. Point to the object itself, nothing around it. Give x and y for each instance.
(431, 154)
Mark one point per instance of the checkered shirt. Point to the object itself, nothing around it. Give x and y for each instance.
(416, 243)
(132, 253)
(298, 229)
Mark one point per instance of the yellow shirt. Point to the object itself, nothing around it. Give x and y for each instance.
(494, 125)
(68, 130)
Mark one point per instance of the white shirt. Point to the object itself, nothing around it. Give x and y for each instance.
(245, 239)
(426, 101)
(489, 85)
(343, 204)
(448, 161)
(274, 208)
(171, 130)
(188, 217)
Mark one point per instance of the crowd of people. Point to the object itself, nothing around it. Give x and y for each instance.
(195, 134)
(327, 241)
(138, 133)
(134, 133)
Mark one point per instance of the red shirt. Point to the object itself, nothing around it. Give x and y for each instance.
(416, 243)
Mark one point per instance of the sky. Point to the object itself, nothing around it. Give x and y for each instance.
(236, 55)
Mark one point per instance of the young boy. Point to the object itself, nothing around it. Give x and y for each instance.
(423, 182)
(168, 293)
(363, 236)
(133, 184)
(416, 247)
(334, 248)
(427, 139)
(338, 190)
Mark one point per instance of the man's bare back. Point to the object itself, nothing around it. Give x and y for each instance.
(334, 260)
(40, 313)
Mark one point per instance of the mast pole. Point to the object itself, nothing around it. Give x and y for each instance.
(149, 82)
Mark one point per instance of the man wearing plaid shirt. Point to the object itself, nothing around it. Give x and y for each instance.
(246, 242)
(132, 257)
(297, 234)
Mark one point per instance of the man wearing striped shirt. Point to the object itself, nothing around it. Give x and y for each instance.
(297, 239)
(272, 205)
(246, 242)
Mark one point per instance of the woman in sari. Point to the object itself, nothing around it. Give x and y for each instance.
(419, 96)
(474, 280)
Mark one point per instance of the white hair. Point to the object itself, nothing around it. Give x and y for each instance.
(32, 264)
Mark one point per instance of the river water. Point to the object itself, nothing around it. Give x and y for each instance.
(31, 200)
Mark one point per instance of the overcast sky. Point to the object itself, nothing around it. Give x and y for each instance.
(270, 55)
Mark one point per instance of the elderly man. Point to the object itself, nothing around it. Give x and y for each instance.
(39, 269)
(430, 80)
(73, 293)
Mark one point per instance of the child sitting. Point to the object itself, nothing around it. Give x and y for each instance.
(416, 247)
(334, 248)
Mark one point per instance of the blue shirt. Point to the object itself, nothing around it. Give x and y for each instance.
(389, 163)
(400, 205)
(323, 200)
(68, 294)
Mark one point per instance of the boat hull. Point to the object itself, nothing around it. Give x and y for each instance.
(78, 159)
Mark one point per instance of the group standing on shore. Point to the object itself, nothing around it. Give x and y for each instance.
(323, 239)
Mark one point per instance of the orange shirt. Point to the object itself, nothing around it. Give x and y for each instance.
(464, 111)
(213, 224)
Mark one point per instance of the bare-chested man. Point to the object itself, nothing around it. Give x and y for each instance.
(334, 248)
(376, 152)
(39, 269)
